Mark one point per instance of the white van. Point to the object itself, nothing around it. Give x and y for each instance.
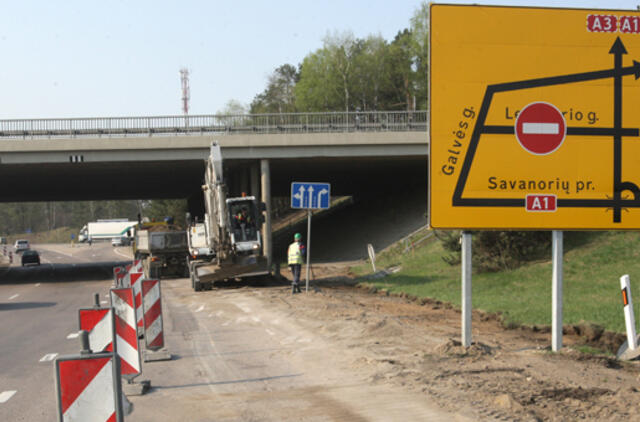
(21, 245)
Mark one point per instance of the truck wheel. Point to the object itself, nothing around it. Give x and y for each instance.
(197, 286)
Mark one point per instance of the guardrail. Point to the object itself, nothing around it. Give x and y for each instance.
(375, 121)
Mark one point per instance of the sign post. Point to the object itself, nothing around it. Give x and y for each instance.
(466, 288)
(308, 248)
(310, 196)
(556, 294)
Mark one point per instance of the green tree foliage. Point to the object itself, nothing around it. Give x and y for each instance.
(419, 46)
(497, 250)
(233, 107)
(279, 95)
(159, 209)
(23, 217)
(353, 74)
(318, 87)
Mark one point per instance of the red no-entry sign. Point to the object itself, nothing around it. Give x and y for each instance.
(540, 128)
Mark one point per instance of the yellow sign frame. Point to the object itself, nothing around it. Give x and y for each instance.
(489, 62)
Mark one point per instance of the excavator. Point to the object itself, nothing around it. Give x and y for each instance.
(227, 243)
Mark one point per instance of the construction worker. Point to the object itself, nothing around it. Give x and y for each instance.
(295, 261)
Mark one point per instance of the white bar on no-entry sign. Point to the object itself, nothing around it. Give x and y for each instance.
(541, 128)
(6, 395)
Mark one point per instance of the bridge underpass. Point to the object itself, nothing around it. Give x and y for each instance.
(363, 162)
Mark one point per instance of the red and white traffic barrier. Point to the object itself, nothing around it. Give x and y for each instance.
(99, 323)
(88, 388)
(629, 318)
(118, 276)
(135, 281)
(136, 266)
(152, 306)
(126, 334)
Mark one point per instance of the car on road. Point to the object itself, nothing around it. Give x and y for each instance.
(30, 257)
(21, 245)
(120, 241)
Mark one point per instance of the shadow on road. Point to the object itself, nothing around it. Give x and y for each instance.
(15, 306)
(47, 273)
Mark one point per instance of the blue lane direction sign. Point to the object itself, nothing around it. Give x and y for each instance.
(310, 195)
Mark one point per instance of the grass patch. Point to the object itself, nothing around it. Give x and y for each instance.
(588, 350)
(593, 264)
(59, 235)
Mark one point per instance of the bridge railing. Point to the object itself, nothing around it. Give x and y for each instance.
(200, 124)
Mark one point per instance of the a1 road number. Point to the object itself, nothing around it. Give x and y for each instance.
(541, 203)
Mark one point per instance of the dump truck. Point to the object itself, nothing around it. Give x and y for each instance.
(163, 249)
(227, 243)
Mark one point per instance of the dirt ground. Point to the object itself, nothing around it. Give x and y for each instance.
(507, 374)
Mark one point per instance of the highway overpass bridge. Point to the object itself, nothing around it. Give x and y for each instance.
(163, 156)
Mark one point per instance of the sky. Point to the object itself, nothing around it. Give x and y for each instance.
(90, 58)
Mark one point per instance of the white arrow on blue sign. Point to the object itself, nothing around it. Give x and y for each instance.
(310, 195)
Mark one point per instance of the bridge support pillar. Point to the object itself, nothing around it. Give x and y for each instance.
(265, 179)
(254, 179)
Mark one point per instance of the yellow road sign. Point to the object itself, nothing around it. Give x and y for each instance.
(534, 118)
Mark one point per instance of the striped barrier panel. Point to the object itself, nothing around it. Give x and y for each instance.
(152, 307)
(99, 323)
(135, 281)
(126, 333)
(118, 276)
(88, 388)
(136, 266)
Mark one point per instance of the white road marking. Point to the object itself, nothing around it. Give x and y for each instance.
(226, 323)
(48, 357)
(37, 284)
(73, 335)
(276, 322)
(241, 319)
(6, 395)
(246, 309)
(304, 340)
(219, 313)
(255, 319)
(122, 254)
(200, 308)
(541, 128)
(271, 333)
(14, 296)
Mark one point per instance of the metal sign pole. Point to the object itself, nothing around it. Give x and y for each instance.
(556, 293)
(466, 289)
(308, 245)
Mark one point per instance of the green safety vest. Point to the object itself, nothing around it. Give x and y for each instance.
(295, 256)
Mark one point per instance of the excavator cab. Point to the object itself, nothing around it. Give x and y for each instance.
(245, 225)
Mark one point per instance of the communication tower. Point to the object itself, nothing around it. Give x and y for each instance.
(186, 95)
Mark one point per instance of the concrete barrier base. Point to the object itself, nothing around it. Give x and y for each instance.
(624, 353)
(136, 388)
(162, 354)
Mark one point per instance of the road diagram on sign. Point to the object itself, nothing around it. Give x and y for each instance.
(541, 129)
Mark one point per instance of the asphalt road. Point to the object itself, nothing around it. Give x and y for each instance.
(39, 309)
